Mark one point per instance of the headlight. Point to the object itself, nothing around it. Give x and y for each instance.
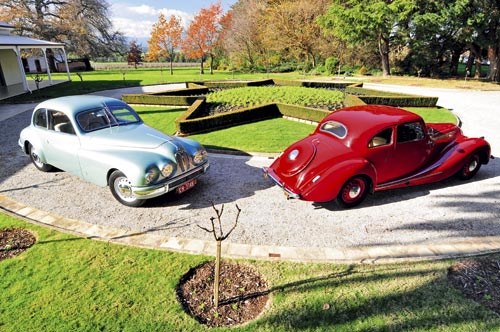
(200, 156)
(167, 170)
(152, 174)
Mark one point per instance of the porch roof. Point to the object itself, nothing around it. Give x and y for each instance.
(13, 40)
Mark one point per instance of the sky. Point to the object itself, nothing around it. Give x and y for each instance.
(135, 18)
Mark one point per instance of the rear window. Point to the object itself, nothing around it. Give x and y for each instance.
(335, 128)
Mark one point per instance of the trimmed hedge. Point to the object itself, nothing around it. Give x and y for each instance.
(406, 101)
(236, 84)
(369, 96)
(352, 100)
(304, 113)
(150, 99)
(189, 123)
(314, 84)
(225, 120)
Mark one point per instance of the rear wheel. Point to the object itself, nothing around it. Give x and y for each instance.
(353, 192)
(121, 188)
(470, 167)
(35, 159)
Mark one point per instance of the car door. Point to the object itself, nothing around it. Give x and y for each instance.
(411, 151)
(62, 145)
(379, 153)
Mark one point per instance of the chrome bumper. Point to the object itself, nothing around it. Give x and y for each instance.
(269, 173)
(171, 184)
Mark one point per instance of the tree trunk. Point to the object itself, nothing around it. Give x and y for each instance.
(475, 58)
(455, 59)
(211, 64)
(494, 72)
(383, 47)
(171, 66)
(202, 71)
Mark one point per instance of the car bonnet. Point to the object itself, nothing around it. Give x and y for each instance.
(132, 136)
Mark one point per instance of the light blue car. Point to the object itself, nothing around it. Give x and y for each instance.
(104, 141)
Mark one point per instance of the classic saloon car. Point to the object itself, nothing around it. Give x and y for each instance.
(104, 141)
(364, 149)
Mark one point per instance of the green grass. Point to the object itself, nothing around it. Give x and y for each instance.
(252, 96)
(264, 136)
(271, 136)
(67, 283)
(434, 115)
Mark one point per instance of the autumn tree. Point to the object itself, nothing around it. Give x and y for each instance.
(243, 39)
(83, 25)
(134, 55)
(165, 38)
(202, 35)
(292, 25)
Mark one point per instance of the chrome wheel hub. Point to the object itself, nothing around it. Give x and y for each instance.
(472, 165)
(354, 191)
(123, 188)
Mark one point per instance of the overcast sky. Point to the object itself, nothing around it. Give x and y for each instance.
(135, 19)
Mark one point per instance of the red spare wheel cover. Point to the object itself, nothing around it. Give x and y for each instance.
(296, 158)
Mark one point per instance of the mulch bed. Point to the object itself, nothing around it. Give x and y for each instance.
(243, 294)
(478, 279)
(14, 241)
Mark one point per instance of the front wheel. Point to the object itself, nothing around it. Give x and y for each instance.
(121, 188)
(353, 192)
(470, 167)
(35, 159)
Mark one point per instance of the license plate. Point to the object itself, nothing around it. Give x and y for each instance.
(186, 186)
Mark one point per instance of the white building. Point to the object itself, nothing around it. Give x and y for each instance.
(12, 69)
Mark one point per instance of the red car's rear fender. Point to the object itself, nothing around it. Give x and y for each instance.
(461, 152)
(327, 187)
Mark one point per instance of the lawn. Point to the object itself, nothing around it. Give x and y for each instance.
(68, 283)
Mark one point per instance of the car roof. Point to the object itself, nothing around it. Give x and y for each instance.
(74, 104)
(364, 121)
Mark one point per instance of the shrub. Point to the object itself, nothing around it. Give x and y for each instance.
(331, 65)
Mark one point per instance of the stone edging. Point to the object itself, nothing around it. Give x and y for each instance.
(376, 254)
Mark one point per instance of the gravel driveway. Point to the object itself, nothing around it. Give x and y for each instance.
(450, 210)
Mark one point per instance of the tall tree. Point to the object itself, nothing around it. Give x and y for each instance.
(292, 25)
(357, 21)
(165, 38)
(243, 39)
(202, 35)
(83, 25)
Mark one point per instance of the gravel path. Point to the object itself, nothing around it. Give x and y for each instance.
(451, 210)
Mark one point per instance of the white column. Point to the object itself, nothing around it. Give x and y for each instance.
(17, 50)
(44, 50)
(66, 62)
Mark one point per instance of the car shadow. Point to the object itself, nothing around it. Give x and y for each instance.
(12, 158)
(229, 179)
(489, 171)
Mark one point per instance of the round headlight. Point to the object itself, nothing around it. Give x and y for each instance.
(167, 170)
(152, 174)
(200, 156)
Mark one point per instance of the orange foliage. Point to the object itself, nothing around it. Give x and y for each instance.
(203, 33)
(165, 37)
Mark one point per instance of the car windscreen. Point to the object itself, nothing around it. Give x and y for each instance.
(107, 116)
(334, 128)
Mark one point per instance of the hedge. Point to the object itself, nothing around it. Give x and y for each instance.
(304, 113)
(224, 120)
(151, 99)
(406, 101)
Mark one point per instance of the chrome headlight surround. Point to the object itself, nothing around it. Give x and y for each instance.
(152, 174)
(200, 156)
(168, 170)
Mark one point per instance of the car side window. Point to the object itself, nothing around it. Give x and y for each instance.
(382, 138)
(408, 132)
(60, 122)
(40, 118)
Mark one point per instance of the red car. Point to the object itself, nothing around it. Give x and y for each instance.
(363, 149)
